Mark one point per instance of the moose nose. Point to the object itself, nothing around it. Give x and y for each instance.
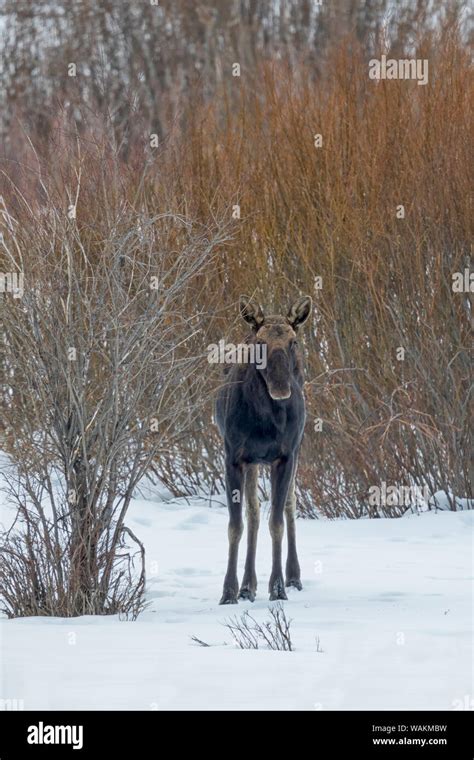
(278, 376)
(278, 396)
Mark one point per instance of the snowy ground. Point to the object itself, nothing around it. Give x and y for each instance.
(390, 601)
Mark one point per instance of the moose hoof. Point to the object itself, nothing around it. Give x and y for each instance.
(277, 591)
(247, 593)
(294, 583)
(229, 597)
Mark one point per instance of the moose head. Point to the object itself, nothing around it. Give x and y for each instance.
(278, 336)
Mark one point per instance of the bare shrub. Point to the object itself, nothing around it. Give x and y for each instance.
(247, 633)
(93, 363)
(40, 573)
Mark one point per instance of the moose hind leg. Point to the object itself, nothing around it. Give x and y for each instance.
(293, 572)
(248, 588)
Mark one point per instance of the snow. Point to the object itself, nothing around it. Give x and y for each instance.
(389, 599)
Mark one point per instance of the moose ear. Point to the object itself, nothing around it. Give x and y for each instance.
(251, 312)
(299, 312)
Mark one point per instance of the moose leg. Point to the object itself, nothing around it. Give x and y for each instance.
(234, 481)
(293, 572)
(252, 507)
(282, 471)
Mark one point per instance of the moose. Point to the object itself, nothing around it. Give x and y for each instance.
(260, 413)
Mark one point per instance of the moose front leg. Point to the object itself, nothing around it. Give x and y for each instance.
(248, 589)
(234, 480)
(282, 472)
